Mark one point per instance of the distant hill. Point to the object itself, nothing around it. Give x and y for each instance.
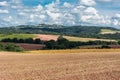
(77, 31)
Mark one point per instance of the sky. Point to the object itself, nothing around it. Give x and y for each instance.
(61, 12)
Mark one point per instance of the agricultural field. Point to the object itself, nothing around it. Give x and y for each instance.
(70, 38)
(108, 31)
(19, 36)
(78, 64)
(46, 37)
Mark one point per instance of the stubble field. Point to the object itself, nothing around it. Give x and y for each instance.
(79, 65)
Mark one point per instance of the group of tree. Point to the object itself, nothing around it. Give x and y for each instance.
(115, 36)
(63, 43)
(28, 40)
(10, 47)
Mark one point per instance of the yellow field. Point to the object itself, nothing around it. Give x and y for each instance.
(107, 31)
(85, 64)
(72, 51)
(70, 38)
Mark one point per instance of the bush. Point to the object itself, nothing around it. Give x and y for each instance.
(13, 47)
(1, 47)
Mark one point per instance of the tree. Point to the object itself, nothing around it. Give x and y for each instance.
(21, 40)
(15, 40)
(13, 47)
(62, 40)
(1, 47)
(50, 44)
(6, 40)
(29, 40)
(37, 41)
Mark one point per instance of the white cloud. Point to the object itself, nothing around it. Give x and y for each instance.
(38, 8)
(53, 16)
(117, 15)
(22, 14)
(8, 19)
(85, 18)
(42, 16)
(116, 22)
(4, 3)
(116, 19)
(91, 10)
(57, 13)
(4, 11)
(66, 4)
(88, 2)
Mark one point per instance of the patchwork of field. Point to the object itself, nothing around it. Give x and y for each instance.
(75, 65)
(107, 31)
(46, 37)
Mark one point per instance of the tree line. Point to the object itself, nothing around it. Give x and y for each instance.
(61, 43)
(28, 40)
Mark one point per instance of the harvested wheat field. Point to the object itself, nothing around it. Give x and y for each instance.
(79, 65)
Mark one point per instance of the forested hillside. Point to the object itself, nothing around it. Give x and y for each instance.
(79, 31)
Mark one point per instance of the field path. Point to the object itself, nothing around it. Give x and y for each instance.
(73, 66)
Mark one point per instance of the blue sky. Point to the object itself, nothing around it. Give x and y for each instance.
(63, 12)
(44, 2)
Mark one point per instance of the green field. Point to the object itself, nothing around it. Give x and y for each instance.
(108, 31)
(18, 36)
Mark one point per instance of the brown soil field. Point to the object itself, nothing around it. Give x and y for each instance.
(46, 37)
(31, 46)
(79, 65)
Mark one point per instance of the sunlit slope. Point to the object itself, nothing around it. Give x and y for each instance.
(108, 31)
(86, 39)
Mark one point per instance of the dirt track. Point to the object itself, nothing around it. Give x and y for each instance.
(76, 66)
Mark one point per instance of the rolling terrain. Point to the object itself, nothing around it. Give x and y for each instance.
(109, 31)
(47, 37)
(61, 65)
(76, 31)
